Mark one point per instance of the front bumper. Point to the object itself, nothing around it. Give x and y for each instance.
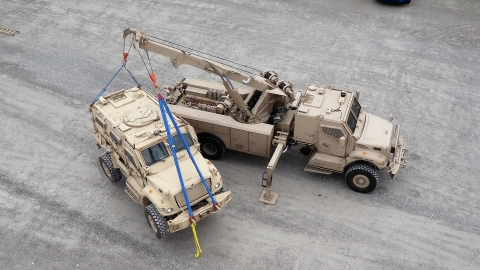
(182, 221)
(397, 160)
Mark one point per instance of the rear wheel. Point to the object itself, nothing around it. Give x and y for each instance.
(211, 147)
(157, 222)
(361, 178)
(111, 172)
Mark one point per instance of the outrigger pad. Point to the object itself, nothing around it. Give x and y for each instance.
(273, 197)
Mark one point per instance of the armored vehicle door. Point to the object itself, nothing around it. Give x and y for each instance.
(332, 140)
(116, 138)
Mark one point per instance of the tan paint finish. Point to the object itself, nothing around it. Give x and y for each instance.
(133, 117)
(326, 122)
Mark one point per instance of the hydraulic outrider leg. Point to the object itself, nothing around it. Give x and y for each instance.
(267, 195)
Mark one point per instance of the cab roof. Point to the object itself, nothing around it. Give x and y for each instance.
(330, 103)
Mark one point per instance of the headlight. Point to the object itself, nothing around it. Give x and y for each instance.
(169, 210)
(217, 185)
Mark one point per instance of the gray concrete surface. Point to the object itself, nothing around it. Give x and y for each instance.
(418, 61)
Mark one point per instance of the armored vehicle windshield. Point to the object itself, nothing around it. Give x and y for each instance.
(158, 152)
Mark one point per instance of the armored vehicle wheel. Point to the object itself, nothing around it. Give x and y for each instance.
(211, 147)
(157, 222)
(361, 178)
(111, 172)
(219, 191)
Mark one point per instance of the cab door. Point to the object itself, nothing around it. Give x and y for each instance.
(332, 140)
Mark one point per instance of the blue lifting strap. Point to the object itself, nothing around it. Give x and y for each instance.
(165, 110)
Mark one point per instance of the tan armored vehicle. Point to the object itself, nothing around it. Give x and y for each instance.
(129, 126)
(263, 116)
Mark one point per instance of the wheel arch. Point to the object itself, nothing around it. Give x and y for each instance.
(358, 161)
(145, 201)
(206, 133)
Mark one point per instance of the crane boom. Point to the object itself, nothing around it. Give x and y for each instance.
(265, 82)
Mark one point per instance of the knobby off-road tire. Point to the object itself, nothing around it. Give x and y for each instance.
(111, 172)
(211, 147)
(362, 178)
(219, 191)
(157, 222)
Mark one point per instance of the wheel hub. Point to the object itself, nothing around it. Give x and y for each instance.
(210, 149)
(152, 223)
(361, 181)
(106, 170)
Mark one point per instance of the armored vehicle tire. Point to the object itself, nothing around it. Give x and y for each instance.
(361, 178)
(157, 222)
(218, 191)
(211, 147)
(111, 172)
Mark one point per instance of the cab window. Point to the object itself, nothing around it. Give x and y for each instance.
(114, 137)
(155, 153)
(99, 122)
(178, 141)
(130, 157)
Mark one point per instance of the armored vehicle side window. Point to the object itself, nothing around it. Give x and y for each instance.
(114, 137)
(356, 108)
(351, 122)
(178, 141)
(155, 153)
(130, 157)
(99, 122)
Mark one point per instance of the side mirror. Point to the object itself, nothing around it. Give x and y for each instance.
(341, 141)
(391, 117)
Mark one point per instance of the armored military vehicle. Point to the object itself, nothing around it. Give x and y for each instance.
(128, 125)
(263, 116)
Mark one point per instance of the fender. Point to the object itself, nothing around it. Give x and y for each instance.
(375, 158)
(160, 200)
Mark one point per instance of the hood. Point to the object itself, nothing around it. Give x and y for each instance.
(168, 181)
(376, 133)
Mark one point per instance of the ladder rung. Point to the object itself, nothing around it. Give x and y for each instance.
(8, 31)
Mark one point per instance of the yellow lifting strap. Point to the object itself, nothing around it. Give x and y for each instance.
(197, 244)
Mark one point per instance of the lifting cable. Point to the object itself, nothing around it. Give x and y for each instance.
(166, 111)
(211, 55)
(191, 218)
(162, 100)
(124, 66)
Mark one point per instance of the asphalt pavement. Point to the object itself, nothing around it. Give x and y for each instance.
(419, 62)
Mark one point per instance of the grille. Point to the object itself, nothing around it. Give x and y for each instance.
(334, 132)
(194, 193)
(119, 97)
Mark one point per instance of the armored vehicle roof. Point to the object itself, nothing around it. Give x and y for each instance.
(134, 112)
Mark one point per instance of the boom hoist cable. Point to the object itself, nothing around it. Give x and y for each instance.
(164, 110)
(124, 66)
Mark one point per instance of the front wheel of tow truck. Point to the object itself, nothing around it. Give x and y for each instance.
(361, 178)
(157, 222)
(111, 172)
